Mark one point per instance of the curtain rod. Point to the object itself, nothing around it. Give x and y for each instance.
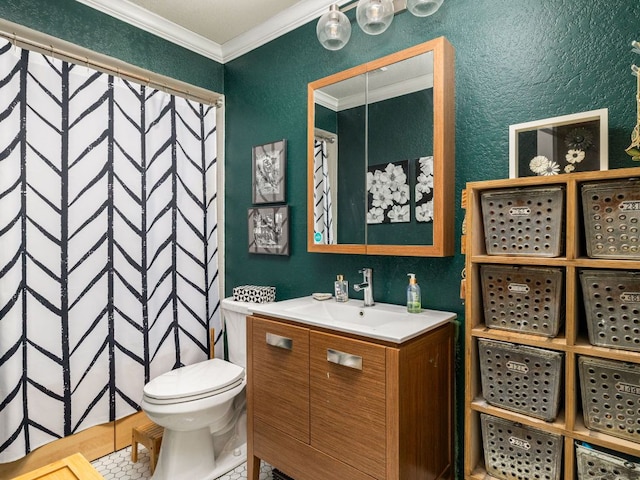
(325, 137)
(30, 39)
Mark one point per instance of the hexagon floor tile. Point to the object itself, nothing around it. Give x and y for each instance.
(118, 466)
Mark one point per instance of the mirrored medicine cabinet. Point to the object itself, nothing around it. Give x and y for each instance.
(381, 166)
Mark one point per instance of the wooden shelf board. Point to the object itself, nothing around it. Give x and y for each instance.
(520, 260)
(582, 433)
(557, 343)
(558, 426)
(605, 352)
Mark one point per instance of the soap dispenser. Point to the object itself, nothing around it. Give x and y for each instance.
(414, 303)
(341, 289)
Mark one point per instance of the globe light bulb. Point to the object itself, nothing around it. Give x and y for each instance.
(423, 8)
(374, 16)
(333, 29)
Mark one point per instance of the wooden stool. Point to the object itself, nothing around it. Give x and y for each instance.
(149, 435)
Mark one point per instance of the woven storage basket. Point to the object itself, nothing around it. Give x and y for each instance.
(597, 465)
(610, 396)
(611, 213)
(612, 307)
(523, 299)
(524, 221)
(521, 378)
(516, 452)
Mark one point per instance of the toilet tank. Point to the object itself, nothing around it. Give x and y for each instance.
(234, 315)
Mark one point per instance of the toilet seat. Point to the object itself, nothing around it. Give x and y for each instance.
(193, 382)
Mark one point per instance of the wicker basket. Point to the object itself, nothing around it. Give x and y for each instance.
(521, 378)
(597, 465)
(611, 213)
(610, 396)
(523, 299)
(517, 452)
(612, 307)
(524, 221)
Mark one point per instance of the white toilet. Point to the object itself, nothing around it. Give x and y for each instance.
(202, 409)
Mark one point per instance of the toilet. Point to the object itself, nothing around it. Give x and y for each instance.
(202, 408)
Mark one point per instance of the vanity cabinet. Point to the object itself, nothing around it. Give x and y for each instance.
(347, 397)
(277, 367)
(329, 404)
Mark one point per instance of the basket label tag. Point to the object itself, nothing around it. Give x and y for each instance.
(520, 443)
(516, 366)
(518, 287)
(630, 297)
(630, 205)
(520, 211)
(628, 388)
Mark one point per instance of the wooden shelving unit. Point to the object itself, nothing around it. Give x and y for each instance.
(572, 339)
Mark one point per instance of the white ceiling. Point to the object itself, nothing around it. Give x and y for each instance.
(218, 29)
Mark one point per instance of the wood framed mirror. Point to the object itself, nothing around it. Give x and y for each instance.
(381, 156)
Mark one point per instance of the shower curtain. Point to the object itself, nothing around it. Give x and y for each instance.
(322, 209)
(108, 251)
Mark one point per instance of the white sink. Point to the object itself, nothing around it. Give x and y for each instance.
(381, 321)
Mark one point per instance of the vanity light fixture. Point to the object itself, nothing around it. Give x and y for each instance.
(373, 17)
(423, 8)
(333, 29)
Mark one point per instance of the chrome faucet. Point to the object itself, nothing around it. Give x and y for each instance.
(366, 285)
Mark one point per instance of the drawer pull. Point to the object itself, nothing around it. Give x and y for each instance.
(344, 359)
(279, 341)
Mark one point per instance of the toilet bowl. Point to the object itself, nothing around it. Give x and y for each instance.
(202, 409)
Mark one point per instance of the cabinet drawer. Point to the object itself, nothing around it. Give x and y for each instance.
(279, 375)
(348, 401)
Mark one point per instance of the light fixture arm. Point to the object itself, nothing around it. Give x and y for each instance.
(398, 6)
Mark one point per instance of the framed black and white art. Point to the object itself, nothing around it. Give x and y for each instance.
(269, 230)
(268, 164)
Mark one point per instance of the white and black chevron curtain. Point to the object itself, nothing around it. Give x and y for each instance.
(322, 203)
(108, 251)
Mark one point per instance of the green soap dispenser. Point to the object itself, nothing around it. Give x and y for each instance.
(414, 303)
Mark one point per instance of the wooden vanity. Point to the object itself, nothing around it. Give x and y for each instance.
(329, 404)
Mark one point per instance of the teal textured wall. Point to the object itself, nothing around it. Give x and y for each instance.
(84, 26)
(516, 61)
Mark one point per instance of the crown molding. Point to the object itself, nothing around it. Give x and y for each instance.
(293, 17)
(278, 25)
(150, 22)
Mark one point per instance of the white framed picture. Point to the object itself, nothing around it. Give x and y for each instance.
(566, 144)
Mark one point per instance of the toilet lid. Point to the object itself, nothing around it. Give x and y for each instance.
(198, 380)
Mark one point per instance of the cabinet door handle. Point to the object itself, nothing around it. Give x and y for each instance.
(279, 341)
(344, 359)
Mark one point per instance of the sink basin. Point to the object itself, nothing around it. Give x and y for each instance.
(351, 312)
(381, 321)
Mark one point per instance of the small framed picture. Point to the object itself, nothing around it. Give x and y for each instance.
(269, 230)
(567, 144)
(268, 167)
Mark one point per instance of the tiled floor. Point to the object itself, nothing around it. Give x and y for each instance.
(118, 466)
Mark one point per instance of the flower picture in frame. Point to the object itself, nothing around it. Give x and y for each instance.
(566, 144)
(268, 165)
(388, 193)
(424, 189)
(269, 230)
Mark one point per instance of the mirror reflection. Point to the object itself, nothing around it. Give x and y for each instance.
(373, 171)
